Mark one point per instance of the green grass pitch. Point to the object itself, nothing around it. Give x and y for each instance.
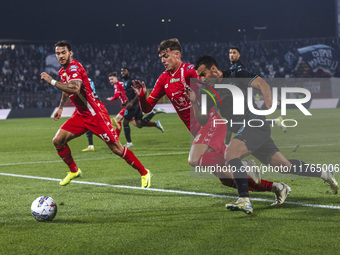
(110, 220)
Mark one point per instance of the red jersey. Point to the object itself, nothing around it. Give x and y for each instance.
(172, 84)
(85, 102)
(119, 92)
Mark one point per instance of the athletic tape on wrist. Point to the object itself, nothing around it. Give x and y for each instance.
(53, 82)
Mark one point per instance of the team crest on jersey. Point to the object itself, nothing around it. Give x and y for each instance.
(174, 80)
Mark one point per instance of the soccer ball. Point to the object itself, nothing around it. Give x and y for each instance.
(44, 208)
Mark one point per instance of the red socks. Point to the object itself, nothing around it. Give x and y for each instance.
(65, 153)
(151, 124)
(133, 161)
(261, 187)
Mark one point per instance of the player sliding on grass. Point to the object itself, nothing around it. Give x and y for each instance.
(208, 146)
(253, 140)
(90, 114)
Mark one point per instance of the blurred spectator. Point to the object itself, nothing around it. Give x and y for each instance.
(20, 66)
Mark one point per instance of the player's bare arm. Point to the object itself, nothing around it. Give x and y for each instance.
(63, 101)
(72, 87)
(191, 95)
(133, 101)
(260, 84)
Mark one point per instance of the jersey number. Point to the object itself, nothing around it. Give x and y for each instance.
(105, 137)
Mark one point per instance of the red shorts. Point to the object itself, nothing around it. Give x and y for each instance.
(212, 136)
(100, 125)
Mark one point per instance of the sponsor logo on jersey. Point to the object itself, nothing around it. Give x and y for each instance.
(74, 75)
(73, 70)
(174, 80)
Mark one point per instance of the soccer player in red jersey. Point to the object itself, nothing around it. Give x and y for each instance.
(208, 147)
(90, 114)
(119, 93)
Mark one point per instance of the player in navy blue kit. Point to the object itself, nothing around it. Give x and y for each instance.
(133, 110)
(249, 139)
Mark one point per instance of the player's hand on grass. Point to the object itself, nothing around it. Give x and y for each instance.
(139, 87)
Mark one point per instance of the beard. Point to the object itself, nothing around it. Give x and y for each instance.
(65, 62)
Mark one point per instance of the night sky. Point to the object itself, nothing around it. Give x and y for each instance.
(95, 21)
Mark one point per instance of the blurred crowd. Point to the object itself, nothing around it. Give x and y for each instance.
(21, 65)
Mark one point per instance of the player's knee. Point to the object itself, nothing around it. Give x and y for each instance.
(193, 161)
(57, 142)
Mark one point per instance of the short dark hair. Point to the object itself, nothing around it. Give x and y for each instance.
(126, 68)
(206, 60)
(63, 43)
(172, 44)
(235, 48)
(113, 74)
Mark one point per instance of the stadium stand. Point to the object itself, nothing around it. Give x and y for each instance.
(22, 63)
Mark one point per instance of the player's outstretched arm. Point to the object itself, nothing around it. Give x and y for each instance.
(72, 87)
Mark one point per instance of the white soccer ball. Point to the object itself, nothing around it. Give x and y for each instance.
(44, 208)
